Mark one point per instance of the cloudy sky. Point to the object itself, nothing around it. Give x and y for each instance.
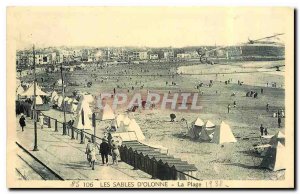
(137, 26)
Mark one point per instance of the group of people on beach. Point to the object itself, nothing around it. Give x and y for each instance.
(108, 147)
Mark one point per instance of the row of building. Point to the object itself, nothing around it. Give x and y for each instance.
(54, 56)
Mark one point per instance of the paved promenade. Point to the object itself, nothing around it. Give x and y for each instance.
(67, 157)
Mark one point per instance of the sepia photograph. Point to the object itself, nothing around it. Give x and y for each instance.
(150, 97)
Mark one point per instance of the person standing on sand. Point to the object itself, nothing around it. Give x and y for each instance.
(228, 108)
(279, 121)
(267, 107)
(22, 122)
(261, 130)
(266, 131)
(234, 104)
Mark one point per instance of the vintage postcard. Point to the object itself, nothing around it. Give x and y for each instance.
(150, 97)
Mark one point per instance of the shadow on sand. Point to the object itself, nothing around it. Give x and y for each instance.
(244, 166)
(84, 165)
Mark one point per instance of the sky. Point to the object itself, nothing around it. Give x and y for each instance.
(141, 26)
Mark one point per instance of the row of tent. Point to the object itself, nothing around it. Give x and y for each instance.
(209, 132)
(125, 127)
(273, 152)
(70, 103)
(29, 92)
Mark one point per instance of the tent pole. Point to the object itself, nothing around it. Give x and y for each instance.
(63, 94)
(35, 148)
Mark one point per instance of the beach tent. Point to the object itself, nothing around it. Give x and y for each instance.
(122, 119)
(85, 107)
(123, 123)
(89, 98)
(106, 113)
(274, 158)
(54, 93)
(60, 101)
(127, 127)
(196, 129)
(30, 91)
(204, 135)
(210, 128)
(74, 107)
(119, 119)
(87, 121)
(19, 90)
(66, 99)
(55, 99)
(134, 127)
(209, 124)
(223, 134)
(69, 104)
(278, 137)
(38, 100)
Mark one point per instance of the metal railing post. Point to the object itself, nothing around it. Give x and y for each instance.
(64, 129)
(49, 122)
(72, 131)
(81, 137)
(56, 129)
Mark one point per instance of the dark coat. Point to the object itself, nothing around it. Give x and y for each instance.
(104, 148)
(22, 121)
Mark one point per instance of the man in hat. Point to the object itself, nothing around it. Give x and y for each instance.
(104, 150)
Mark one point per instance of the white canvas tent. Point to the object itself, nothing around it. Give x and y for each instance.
(210, 124)
(85, 105)
(122, 122)
(38, 100)
(86, 113)
(19, 90)
(60, 101)
(210, 128)
(223, 134)
(278, 137)
(54, 93)
(74, 107)
(128, 128)
(134, 127)
(30, 91)
(204, 135)
(196, 129)
(106, 113)
(275, 158)
(55, 99)
(88, 98)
